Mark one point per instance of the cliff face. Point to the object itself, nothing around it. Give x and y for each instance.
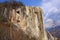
(25, 22)
(28, 19)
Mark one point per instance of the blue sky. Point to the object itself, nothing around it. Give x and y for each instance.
(32, 2)
(51, 9)
(29, 2)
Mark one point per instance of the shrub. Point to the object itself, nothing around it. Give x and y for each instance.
(2, 18)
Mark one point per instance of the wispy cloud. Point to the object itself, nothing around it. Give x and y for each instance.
(49, 23)
(50, 7)
(51, 10)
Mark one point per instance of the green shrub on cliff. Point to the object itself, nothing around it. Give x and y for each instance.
(2, 18)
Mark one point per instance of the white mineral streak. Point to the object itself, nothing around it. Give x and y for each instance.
(5, 12)
(32, 28)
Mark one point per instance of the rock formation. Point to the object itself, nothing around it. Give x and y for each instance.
(26, 23)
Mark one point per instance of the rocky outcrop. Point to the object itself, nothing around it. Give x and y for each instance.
(26, 23)
(28, 19)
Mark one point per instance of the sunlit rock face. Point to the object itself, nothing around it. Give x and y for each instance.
(28, 20)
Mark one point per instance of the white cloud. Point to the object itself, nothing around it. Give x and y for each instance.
(53, 10)
(56, 2)
(46, 6)
(49, 23)
(49, 20)
(50, 7)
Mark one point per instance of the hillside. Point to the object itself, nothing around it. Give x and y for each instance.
(55, 31)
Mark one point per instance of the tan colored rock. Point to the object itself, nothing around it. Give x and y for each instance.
(30, 21)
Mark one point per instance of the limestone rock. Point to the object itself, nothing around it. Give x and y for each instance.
(26, 23)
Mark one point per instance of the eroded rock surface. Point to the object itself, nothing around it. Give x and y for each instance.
(25, 23)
